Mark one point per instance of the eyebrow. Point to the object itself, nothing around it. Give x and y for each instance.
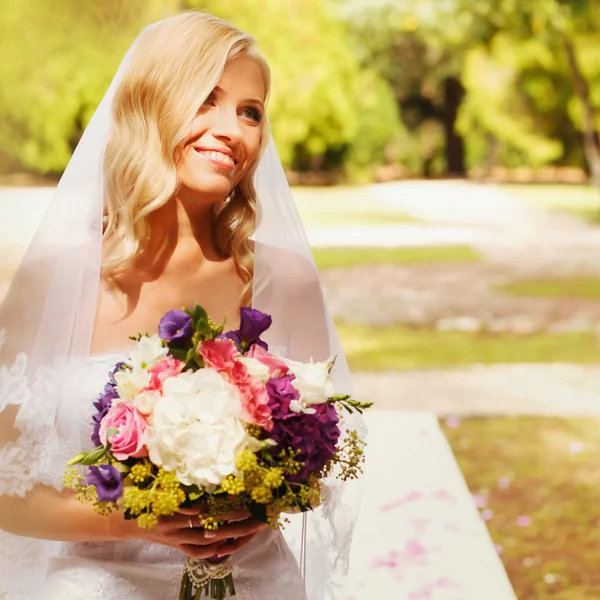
(220, 90)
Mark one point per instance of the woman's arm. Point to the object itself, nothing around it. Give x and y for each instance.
(48, 514)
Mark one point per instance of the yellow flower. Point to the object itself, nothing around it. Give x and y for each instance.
(147, 521)
(72, 478)
(246, 461)
(86, 494)
(140, 472)
(167, 503)
(168, 480)
(273, 478)
(210, 523)
(135, 500)
(104, 508)
(233, 485)
(254, 430)
(262, 495)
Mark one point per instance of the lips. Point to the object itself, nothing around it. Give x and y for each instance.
(224, 155)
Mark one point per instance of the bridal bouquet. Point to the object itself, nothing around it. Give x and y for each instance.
(193, 417)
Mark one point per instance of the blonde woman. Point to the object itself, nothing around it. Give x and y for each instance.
(157, 209)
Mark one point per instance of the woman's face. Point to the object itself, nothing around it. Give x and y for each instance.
(225, 135)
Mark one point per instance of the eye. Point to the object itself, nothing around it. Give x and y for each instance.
(210, 100)
(252, 113)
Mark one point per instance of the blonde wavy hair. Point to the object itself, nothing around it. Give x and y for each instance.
(173, 68)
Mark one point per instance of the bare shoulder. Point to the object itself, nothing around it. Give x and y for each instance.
(292, 268)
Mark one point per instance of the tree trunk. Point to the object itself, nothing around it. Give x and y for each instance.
(590, 139)
(455, 149)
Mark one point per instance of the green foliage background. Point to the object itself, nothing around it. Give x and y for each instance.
(357, 83)
(326, 109)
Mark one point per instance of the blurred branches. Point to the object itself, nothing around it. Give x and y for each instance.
(528, 70)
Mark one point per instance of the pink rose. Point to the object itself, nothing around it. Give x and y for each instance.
(131, 429)
(163, 369)
(219, 354)
(277, 368)
(253, 395)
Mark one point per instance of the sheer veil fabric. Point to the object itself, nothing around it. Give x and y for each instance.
(47, 319)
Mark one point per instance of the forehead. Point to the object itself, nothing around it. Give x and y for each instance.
(243, 78)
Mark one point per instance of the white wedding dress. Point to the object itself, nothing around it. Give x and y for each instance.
(264, 570)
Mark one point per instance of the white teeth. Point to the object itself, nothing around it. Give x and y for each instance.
(219, 156)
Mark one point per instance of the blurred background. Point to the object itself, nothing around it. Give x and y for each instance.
(445, 158)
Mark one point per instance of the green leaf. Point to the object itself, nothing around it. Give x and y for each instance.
(198, 314)
(76, 460)
(258, 511)
(92, 457)
(179, 354)
(203, 327)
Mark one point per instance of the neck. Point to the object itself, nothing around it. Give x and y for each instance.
(181, 236)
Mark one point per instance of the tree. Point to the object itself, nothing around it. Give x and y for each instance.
(58, 59)
(558, 35)
(520, 64)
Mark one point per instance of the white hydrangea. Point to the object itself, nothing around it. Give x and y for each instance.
(197, 430)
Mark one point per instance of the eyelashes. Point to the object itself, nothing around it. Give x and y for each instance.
(253, 113)
(249, 112)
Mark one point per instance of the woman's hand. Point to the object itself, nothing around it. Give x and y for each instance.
(196, 542)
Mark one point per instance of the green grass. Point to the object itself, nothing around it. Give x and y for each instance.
(548, 481)
(329, 258)
(572, 287)
(398, 347)
(579, 200)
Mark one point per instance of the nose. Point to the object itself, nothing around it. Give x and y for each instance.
(226, 125)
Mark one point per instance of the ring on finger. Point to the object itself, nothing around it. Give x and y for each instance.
(191, 523)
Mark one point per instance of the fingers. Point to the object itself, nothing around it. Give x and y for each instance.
(200, 551)
(181, 520)
(234, 530)
(230, 516)
(233, 546)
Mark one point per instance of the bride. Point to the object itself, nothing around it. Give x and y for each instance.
(175, 195)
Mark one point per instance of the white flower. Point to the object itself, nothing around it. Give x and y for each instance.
(255, 368)
(131, 382)
(300, 407)
(148, 351)
(312, 381)
(146, 401)
(196, 429)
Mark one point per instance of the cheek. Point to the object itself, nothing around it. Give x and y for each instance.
(251, 148)
(185, 161)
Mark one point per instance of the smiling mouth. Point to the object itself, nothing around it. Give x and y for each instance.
(218, 157)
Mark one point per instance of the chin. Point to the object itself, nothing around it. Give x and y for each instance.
(207, 184)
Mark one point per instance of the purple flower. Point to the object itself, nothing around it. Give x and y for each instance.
(102, 405)
(104, 402)
(175, 325)
(314, 436)
(107, 481)
(281, 393)
(253, 324)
